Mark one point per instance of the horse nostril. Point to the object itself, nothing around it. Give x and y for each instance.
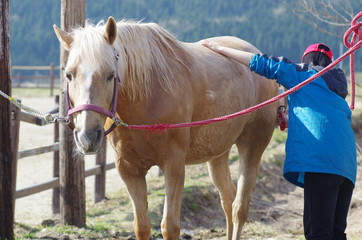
(95, 136)
(88, 142)
(76, 136)
(81, 141)
(99, 135)
(95, 139)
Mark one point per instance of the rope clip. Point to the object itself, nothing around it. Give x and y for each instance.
(62, 120)
(118, 122)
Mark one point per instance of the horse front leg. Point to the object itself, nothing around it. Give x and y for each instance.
(137, 190)
(174, 174)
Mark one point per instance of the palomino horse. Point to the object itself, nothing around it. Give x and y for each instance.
(162, 80)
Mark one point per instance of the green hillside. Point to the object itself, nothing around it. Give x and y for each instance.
(265, 23)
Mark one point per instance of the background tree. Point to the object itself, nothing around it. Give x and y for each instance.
(337, 14)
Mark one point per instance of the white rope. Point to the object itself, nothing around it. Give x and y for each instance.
(47, 117)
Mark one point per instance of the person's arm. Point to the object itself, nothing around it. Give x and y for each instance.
(284, 71)
(238, 55)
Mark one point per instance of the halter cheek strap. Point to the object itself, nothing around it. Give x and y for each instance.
(90, 107)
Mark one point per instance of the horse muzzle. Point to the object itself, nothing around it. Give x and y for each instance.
(89, 141)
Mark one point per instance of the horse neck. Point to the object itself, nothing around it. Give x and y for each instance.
(156, 57)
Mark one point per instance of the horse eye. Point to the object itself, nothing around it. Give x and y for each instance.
(69, 76)
(111, 76)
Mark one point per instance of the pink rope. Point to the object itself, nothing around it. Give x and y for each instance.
(353, 46)
(356, 31)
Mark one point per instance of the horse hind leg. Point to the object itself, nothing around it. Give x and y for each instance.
(220, 175)
(250, 152)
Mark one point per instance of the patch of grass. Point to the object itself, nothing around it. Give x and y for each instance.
(31, 235)
(63, 229)
(233, 158)
(98, 212)
(353, 237)
(189, 189)
(156, 193)
(190, 184)
(194, 206)
(101, 226)
(24, 231)
(279, 136)
(199, 175)
(279, 162)
(258, 229)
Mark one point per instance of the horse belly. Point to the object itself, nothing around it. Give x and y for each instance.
(212, 141)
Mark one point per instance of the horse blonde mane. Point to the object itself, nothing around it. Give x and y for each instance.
(147, 53)
(151, 54)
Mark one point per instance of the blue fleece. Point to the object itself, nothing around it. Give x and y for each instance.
(320, 137)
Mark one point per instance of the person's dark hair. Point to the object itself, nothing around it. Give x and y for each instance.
(317, 58)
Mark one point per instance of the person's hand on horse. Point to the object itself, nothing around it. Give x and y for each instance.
(212, 45)
(236, 54)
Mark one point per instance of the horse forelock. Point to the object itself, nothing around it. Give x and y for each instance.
(90, 48)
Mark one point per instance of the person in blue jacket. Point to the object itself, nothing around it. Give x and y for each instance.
(320, 147)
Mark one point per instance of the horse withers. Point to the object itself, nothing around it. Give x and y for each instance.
(162, 80)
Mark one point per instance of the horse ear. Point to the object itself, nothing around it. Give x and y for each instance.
(111, 30)
(64, 38)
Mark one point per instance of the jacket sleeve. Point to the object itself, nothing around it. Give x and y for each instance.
(284, 71)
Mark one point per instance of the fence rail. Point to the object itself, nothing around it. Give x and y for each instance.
(34, 78)
(50, 67)
(39, 150)
(54, 182)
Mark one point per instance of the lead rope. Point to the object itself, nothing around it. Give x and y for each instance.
(355, 30)
(357, 35)
(47, 117)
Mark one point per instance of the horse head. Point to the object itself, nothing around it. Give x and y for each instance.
(91, 78)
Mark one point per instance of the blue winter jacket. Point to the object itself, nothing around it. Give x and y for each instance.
(320, 137)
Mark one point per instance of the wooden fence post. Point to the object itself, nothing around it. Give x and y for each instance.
(7, 156)
(72, 180)
(100, 179)
(52, 79)
(15, 130)
(56, 191)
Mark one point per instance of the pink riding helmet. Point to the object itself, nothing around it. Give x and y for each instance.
(316, 48)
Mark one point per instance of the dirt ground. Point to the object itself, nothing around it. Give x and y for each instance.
(275, 203)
